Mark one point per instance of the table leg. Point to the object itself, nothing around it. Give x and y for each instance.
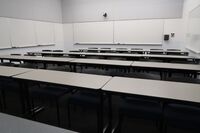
(101, 120)
(110, 113)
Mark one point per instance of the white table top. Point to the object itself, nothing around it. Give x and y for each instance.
(161, 65)
(6, 71)
(12, 124)
(36, 58)
(131, 55)
(168, 56)
(66, 78)
(134, 50)
(103, 62)
(50, 52)
(153, 88)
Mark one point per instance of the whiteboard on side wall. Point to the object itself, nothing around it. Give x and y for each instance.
(139, 32)
(193, 34)
(93, 32)
(22, 33)
(4, 33)
(45, 33)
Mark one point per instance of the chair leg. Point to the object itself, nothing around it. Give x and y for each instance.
(58, 111)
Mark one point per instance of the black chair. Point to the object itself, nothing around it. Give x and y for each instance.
(57, 50)
(46, 50)
(139, 108)
(105, 50)
(176, 52)
(93, 50)
(181, 116)
(173, 50)
(87, 100)
(121, 50)
(156, 51)
(137, 51)
(54, 93)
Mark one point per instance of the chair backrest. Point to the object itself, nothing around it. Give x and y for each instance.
(46, 50)
(105, 48)
(93, 48)
(121, 49)
(173, 50)
(57, 50)
(156, 49)
(136, 48)
(16, 54)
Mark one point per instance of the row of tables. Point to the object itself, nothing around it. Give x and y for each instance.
(74, 62)
(185, 92)
(124, 50)
(129, 56)
(166, 58)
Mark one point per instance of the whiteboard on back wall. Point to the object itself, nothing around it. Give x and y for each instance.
(93, 32)
(139, 32)
(4, 33)
(22, 33)
(193, 34)
(45, 33)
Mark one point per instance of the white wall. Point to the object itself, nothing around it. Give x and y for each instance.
(92, 10)
(83, 11)
(39, 10)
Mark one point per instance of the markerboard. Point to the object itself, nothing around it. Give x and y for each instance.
(45, 33)
(22, 33)
(4, 33)
(93, 32)
(193, 34)
(139, 32)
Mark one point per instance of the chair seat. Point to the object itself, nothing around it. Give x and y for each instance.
(185, 116)
(51, 91)
(141, 108)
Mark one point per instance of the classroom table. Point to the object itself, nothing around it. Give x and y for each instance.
(162, 90)
(69, 80)
(166, 58)
(101, 63)
(185, 53)
(167, 68)
(13, 124)
(168, 52)
(8, 72)
(154, 88)
(43, 53)
(36, 59)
